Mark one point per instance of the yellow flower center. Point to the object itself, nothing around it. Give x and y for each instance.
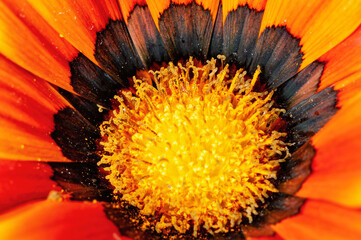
(199, 149)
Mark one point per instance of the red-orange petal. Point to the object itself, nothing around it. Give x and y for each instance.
(78, 21)
(336, 167)
(319, 24)
(22, 182)
(343, 67)
(29, 41)
(321, 220)
(58, 221)
(27, 105)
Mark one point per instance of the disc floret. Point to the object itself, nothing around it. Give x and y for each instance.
(199, 149)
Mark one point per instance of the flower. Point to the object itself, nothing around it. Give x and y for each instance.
(63, 61)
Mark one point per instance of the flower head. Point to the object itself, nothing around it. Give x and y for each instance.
(117, 121)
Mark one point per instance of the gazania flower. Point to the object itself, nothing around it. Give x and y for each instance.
(136, 119)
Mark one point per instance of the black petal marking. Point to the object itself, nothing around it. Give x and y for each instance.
(75, 136)
(309, 116)
(146, 37)
(295, 170)
(123, 217)
(282, 206)
(301, 86)
(241, 29)
(216, 45)
(115, 52)
(260, 230)
(126, 218)
(186, 31)
(82, 180)
(278, 54)
(88, 109)
(92, 82)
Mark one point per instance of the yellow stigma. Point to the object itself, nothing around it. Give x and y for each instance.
(199, 149)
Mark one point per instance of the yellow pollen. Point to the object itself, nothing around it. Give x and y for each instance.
(199, 149)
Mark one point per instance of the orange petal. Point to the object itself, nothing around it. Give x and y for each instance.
(343, 67)
(59, 56)
(29, 41)
(186, 28)
(58, 221)
(319, 24)
(336, 168)
(24, 181)
(321, 220)
(27, 105)
(78, 21)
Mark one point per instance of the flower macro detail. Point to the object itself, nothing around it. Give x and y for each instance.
(201, 149)
(180, 119)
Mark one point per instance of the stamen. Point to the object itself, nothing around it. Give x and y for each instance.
(199, 150)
